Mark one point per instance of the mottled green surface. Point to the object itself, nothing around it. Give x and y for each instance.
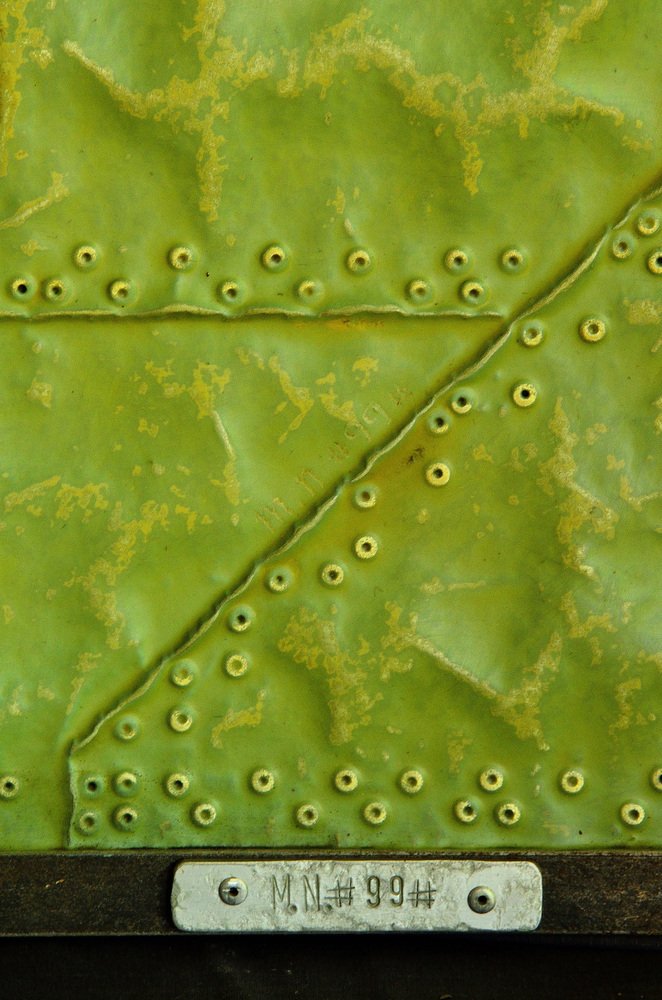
(163, 473)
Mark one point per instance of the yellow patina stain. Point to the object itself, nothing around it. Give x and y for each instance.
(40, 392)
(56, 192)
(345, 412)
(471, 109)
(30, 493)
(208, 383)
(364, 369)
(245, 717)
(456, 746)
(8, 614)
(86, 498)
(636, 502)
(624, 695)
(481, 454)
(519, 707)
(99, 579)
(593, 434)
(582, 629)
(145, 427)
(338, 202)
(299, 397)
(644, 312)
(352, 677)
(31, 247)
(579, 507)
(86, 663)
(194, 105)
(16, 39)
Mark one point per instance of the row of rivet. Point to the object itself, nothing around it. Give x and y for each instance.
(262, 781)
(121, 289)
(274, 259)
(623, 245)
(204, 814)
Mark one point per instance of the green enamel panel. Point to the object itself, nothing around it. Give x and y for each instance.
(145, 468)
(479, 604)
(330, 406)
(402, 132)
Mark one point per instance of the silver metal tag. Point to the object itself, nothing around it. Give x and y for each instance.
(245, 896)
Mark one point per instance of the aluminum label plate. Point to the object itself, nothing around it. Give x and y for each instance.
(241, 896)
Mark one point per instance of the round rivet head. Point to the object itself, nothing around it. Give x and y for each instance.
(180, 258)
(358, 261)
(307, 815)
(9, 786)
(177, 784)
(85, 257)
(22, 288)
(473, 292)
(655, 262)
(632, 813)
(648, 223)
(481, 899)
(455, 260)
(125, 818)
(125, 783)
(236, 665)
(332, 574)
(525, 394)
(465, 811)
(508, 813)
(532, 335)
(437, 474)
(592, 330)
(120, 290)
(491, 779)
(512, 260)
(365, 497)
(411, 782)
(229, 291)
(279, 580)
(88, 822)
(346, 780)
(622, 246)
(438, 423)
(241, 619)
(309, 290)
(54, 290)
(274, 258)
(233, 891)
(366, 547)
(461, 404)
(374, 813)
(93, 785)
(418, 291)
(183, 674)
(204, 814)
(262, 781)
(180, 720)
(656, 779)
(127, 728)
(572, 782)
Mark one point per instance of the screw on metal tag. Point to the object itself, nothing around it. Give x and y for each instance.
(232, 891)
(361, 895)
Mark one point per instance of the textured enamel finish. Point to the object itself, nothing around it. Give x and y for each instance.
(146, 467)
(505, 625)
(398, 133)
(236, 610)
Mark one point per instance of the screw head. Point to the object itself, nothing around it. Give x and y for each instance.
(233, 891)
(481, 899)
